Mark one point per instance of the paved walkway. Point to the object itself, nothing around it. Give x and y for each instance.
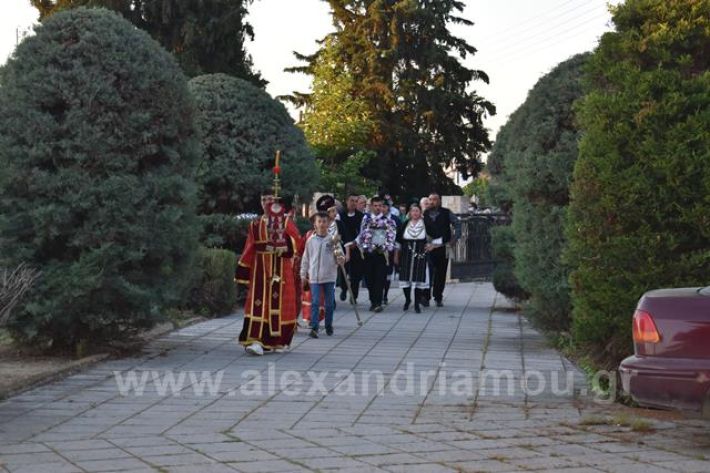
(437, 391)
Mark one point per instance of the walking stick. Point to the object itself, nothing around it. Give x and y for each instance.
(351, 293)
(338, 254)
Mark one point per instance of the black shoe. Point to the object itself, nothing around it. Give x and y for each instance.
(343, 296)
(313, 333)
(439, 304)
(329, 331)
(406, 306)
(385, 301)
(425, 302)
(417, 309)
(372, 307)
(378, 309)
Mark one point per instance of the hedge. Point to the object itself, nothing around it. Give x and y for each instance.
(639, 215)
(241, 128)
(537, 162)
(98, 151)
(214, 292)
(504, 280)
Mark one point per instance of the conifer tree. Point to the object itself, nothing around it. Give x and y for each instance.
(639, 217)
(98, 151)
(406, 67)
(206, 36)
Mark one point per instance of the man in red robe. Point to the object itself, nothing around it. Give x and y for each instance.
(267, 270)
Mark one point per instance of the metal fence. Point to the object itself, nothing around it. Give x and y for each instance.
(472, 255)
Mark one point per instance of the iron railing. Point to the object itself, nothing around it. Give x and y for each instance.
(472, 254)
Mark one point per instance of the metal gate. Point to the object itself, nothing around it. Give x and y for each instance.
(472, 256)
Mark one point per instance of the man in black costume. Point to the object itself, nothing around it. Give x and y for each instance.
(351, 219)
(439, 221)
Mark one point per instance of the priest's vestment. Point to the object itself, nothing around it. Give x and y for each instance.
(270, 307)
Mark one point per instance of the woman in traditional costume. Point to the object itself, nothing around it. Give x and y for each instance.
(412, 242)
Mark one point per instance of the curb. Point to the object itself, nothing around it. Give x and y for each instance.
(41, 379)
(79, 365)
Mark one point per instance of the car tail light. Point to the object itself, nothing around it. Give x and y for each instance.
(645, 330)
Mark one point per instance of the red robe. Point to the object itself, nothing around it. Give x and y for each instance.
(270, 307)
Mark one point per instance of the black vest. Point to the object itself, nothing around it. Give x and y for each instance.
(351, 225)
(439, 227)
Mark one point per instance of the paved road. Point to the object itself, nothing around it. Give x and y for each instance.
(437, 391)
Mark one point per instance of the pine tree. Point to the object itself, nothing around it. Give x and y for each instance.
(206, 36)
(337, 124)
(406, 66)
(336, 121)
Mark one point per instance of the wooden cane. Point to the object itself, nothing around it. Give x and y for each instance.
(352, 294)
(338, 251)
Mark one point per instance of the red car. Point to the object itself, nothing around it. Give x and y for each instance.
(671, 365)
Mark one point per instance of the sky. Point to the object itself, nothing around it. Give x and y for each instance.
(518, 41)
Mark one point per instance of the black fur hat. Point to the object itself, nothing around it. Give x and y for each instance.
(325, 202)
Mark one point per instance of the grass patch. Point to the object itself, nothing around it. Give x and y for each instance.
(5, 338)
(621, 420)
(594, 420)
(641, 425)
(635, 424)
(180, 318)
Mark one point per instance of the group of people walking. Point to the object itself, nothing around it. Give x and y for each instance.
(365, 242)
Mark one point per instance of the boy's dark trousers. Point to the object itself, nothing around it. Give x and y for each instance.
(375, 272)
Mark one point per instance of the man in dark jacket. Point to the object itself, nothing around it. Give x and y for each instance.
(351, 218)
(439, 222)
